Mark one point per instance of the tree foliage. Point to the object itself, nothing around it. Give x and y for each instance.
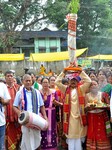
(18, 15)
(74, 6)
(94, 24)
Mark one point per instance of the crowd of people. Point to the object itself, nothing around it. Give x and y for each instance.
(77, 106)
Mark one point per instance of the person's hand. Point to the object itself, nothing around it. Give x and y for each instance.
(56, 103)
(64, 71)
(79, 71)
(1, 100)
(87, 105)
(45, 117)
(19, 114)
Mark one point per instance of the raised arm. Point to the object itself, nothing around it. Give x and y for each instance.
(86, 81)
(59, 82)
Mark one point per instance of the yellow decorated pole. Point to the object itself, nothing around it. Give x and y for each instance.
(72, 19)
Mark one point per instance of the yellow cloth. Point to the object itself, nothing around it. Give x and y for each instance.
(42, 70)
(54, 56)
(76, 129)
(11, 57)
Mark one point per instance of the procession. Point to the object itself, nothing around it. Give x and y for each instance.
(52, 98)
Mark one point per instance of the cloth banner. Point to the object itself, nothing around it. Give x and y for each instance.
(11, 57)
(54, 56)
(72, 18)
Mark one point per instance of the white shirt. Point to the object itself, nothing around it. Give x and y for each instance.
(40, 86)
(17, 101)
(33, 136)
(5, 95)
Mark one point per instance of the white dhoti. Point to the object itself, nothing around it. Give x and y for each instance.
(75, 144)
(30, 139)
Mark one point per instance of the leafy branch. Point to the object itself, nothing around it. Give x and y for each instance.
(74, 6)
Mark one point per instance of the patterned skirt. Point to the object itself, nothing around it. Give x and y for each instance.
(97, 138)
(13, 135)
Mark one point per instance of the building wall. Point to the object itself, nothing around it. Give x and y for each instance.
(20, 66)
(47, 45)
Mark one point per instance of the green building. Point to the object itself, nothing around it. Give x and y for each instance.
(41, 42)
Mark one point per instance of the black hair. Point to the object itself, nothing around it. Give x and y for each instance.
(51, 77)
(30, 73)
(38, 77)
(8, 72)
(109, 75)
(44, 78)
(18, 79)
(92, 73)
(64, 80)
(103, 71)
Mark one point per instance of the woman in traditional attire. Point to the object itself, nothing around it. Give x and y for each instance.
(62, 137)
(52, 84)
(93, 76)
(99, 128)
(104, 86)
(49, 137)
(109, 78)
(59, 111)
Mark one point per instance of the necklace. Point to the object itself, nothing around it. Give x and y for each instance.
(45, 94)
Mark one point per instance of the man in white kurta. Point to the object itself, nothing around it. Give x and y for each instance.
(31, 138)
(76, 131)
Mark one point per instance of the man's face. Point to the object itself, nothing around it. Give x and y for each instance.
(27, 82)
(73, 83)
(33, 78)
(39, 80)
(9, 78)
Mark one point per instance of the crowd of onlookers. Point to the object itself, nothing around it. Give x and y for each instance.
(97, 109)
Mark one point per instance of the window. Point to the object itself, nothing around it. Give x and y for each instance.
(52, 38)
(42, 50)
(53, 49)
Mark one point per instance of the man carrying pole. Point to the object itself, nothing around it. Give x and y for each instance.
(74, 117)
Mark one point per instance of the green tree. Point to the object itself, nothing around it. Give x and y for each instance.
(57, 12)
(94, 24)
(18, 15)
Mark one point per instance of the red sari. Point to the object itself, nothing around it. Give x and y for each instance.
(98, 129)
(13, 129)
